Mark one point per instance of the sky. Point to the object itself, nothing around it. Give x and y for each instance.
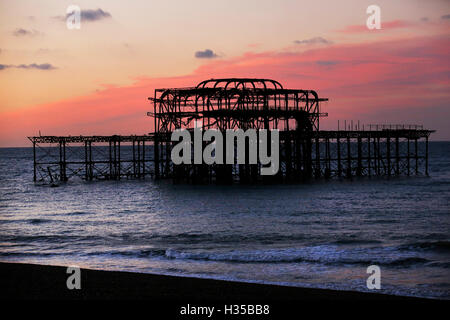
(96, 80)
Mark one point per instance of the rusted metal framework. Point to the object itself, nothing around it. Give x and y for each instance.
(57, 159)
(306, 152)
(233, 103)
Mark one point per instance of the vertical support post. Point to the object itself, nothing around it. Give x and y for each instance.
(91, 172)
(397, 156)
(328, 156)
(388, 154)
(378, 156)
(369, 157)
(339, 155)
(417, 155)
(426, 155)
(408, 158)
(155, 141)
(139, 158)
(349, 158)
(115, 159)
(34, 160)
(61, 175)
(156, 155)
(317, 173)
(143, 159)
(134, 158)
(298, 158)
(118, 149)
(86, 167)
(359, 170)
(64, 161)
(110, 160)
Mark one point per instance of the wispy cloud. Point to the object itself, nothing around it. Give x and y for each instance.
(20, 32)
(205, 54)
(445, 17)
(327, 62)
(315, 40)
(42, 66)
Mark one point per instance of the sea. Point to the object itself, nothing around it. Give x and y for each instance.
(323, 234)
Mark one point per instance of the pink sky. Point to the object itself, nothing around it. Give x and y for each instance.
(400, 75)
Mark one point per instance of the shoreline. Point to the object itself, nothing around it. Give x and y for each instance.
(45, 282)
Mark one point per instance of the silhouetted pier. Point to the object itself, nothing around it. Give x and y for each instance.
(306, 152)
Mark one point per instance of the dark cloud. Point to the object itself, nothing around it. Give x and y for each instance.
(20, 32)
(315, 40)
(43, 66)
(205, 54)
(446, 17)
(94, 15)
(91, 15)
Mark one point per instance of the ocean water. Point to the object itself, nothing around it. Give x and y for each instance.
(323, 234)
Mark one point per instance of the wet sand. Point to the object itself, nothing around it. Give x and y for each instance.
(28, 281)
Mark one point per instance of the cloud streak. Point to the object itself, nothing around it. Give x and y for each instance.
(315, 40)
(42, 66)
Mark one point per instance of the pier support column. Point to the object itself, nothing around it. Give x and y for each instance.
(359, 169)
(349, 158)
(417, 155)
(328, 157)
(138, 158)
(118, 158)
(115, 160)
(86, 164)
(369, 157)
(397, 156)
(317, 170)
(339, 156)
(110, 161)
(388, 155)
(408, 158)
(62, 161)
(143, 159)
(134, 158)
(426, 155)
(91, 171)
(378, 156)
(34, 161)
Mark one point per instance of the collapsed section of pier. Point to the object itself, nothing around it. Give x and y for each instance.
(306, 152)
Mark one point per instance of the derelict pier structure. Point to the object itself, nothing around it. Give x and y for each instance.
(306, 152)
